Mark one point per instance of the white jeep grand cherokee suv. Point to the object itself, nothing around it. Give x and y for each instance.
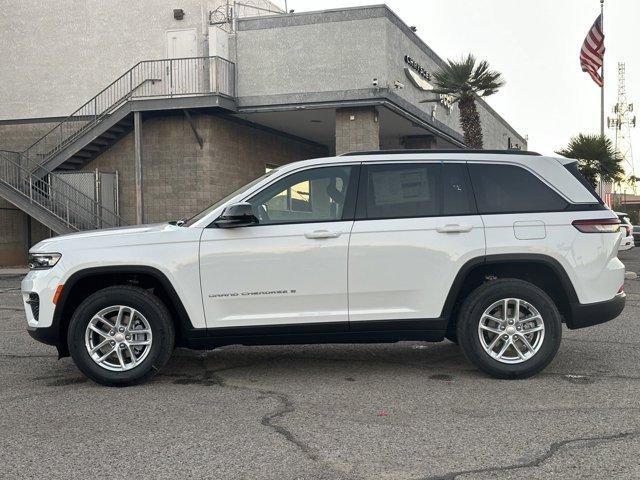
(493, 250)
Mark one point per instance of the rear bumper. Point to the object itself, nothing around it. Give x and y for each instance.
(588, 314)
(627, 243)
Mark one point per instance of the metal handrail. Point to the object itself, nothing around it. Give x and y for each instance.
(42, 172)
(169, 78)
(48, 190)
(25, 173)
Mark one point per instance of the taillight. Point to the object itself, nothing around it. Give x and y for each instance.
(600, 225)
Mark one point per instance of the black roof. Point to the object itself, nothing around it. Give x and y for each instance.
(461, 150)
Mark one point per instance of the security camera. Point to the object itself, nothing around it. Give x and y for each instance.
(398, 85)
(375, 82)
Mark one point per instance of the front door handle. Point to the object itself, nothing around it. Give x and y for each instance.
(322, 234)
(454, 228)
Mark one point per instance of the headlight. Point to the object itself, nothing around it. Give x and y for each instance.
(42, 261)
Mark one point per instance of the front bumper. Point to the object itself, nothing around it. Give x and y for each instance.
(588, 314)
(48, 335)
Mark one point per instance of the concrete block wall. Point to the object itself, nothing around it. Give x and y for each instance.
(179, 178)
(17, 136)
(12, 246)
(357, 129)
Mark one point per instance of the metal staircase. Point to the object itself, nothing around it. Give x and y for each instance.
(49, 199)
(28, 179)
(106, 117)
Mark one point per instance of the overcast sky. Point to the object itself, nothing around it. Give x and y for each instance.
(535, 44)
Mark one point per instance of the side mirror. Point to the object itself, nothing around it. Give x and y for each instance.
(236, 215)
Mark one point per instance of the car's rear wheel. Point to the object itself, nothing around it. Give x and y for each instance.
(120, 336)
(509, 328)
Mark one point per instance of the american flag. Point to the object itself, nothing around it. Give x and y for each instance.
(592, 51)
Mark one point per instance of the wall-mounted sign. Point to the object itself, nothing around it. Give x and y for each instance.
(417, 67)
(420, 78)
(417, 80)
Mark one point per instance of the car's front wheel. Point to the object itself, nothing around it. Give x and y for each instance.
(121, 336)
(509, 328)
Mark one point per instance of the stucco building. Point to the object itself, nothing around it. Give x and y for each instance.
(177, 103)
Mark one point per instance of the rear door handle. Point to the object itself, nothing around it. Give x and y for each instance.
(322, 234)
(454, 228)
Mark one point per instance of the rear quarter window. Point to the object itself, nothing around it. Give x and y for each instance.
(573, 170)
(512, 189)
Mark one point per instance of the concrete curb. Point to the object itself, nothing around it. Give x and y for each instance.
(12, 272)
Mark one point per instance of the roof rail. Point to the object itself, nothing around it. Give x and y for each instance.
(461, 150)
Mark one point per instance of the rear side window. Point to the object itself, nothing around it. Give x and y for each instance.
(400, 191)
(415, 190)
(511, 189)
(457, 195)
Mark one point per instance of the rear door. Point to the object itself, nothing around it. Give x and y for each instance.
(416, 225)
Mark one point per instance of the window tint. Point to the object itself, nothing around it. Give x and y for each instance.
(573, 169)
(407, 190)
(456, 190)
(511, 189)
(314, 195)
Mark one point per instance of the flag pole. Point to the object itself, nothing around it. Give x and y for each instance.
(602, 73)
(602, 89)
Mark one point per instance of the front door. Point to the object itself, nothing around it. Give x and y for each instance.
(416, 225)
(182, 70)
(290, 268)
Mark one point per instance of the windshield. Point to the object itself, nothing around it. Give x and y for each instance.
(210, 209)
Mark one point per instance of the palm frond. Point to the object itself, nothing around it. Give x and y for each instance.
(596, 156)
(466, 77)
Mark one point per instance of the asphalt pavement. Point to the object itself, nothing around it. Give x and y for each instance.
(408, 410)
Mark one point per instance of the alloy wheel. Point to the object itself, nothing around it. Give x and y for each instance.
(118, 338)
(511, 330)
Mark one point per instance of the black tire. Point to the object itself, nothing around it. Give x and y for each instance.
(148, 305)
(471, 313)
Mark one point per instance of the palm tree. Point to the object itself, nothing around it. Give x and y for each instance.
(463, 81)
(597, 158)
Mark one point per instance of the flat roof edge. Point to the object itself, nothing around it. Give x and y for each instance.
(357, 13)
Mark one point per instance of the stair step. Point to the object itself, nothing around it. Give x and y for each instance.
(93, 148)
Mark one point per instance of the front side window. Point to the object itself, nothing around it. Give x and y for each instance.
(511, 189)
(314, 195)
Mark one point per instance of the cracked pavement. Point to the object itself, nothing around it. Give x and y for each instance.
(409, 410)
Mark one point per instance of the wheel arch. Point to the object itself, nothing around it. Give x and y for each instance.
(90, 280)
(541, 270)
